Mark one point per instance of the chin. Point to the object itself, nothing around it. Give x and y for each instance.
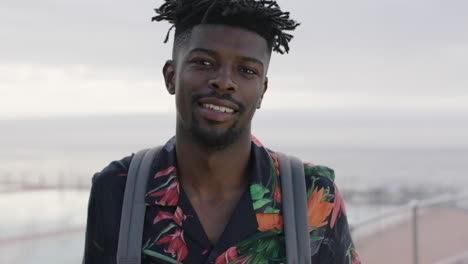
(215, 140)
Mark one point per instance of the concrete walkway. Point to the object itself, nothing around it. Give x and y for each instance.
(442, 233)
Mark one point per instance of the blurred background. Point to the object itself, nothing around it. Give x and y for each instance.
(377, 90)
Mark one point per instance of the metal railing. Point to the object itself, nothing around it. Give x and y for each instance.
(411, 212)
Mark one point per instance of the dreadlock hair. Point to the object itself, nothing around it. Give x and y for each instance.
(260, 16)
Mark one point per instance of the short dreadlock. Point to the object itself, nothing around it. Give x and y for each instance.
(260, 16)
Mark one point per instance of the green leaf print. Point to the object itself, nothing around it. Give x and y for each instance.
(169, 180)
(147, 244)
(264, 247)
(258, 191)
(319, 171)
(258, 259)
(311, 189)
(165, 230)
(271, 210)
(349, 254)
(258, 204)
(327, 196)
(315, 238)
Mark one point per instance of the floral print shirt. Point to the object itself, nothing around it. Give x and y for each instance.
(254, 234)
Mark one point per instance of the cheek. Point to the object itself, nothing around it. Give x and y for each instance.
(182, 98)
(254, 94)
(187, 83)
(189, 77)
(184, 86)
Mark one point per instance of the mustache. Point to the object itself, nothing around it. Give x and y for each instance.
(214, 94)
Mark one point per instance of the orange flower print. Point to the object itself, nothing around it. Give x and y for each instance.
(318, 210)
(268, 222)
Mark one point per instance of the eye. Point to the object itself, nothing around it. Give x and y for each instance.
(202, 62)
(248, 71)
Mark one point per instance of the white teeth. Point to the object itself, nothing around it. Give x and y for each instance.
(218, 108)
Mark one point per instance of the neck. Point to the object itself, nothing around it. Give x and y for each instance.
(210, 173)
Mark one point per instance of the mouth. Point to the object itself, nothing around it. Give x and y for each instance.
(217, 110)
(218, 105)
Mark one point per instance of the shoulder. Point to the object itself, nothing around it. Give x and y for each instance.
(316, 176)
(104, 211)
(113, 176)
(323, 197)
(319, 177)
(107, 192)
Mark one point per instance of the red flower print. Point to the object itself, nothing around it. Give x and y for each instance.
(256, 141)
(177, 247)
(178, 216)
(276, 162)
(170, 195)
(231, 255)
(355, 257)
(277, 194)
(338, 207)
(162, 216)
(165, 172)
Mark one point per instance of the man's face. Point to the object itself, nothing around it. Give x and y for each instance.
(219, 78)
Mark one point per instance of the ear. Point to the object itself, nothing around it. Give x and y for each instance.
(169, 76)
(265, 87)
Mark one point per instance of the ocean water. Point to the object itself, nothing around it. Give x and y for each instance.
(355, 168)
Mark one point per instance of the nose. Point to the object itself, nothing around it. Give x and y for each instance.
(223, 81)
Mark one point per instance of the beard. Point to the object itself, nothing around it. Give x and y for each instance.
(213, 140)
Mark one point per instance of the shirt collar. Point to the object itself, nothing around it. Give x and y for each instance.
(163, 186)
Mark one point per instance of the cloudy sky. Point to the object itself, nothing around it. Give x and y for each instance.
(64, 57)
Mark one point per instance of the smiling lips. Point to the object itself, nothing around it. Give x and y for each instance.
(218, 110)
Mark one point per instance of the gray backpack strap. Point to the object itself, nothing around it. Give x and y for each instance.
(133, 207)
(295, 217)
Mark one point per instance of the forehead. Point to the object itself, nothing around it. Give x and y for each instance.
(228, 40)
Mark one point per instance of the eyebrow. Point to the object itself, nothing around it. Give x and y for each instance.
(214, 53)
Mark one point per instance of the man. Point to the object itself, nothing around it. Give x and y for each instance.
(214, 195)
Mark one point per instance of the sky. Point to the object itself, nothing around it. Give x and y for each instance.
(78, 58)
